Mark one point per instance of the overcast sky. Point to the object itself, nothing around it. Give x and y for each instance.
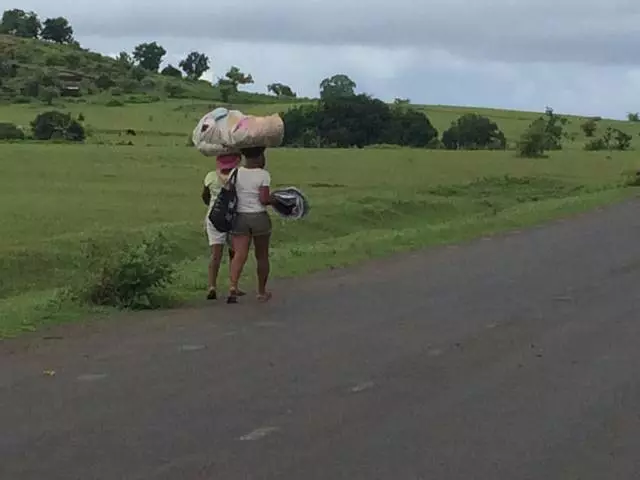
(576, 56)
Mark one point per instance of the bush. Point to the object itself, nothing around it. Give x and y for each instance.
(104, 82)
(533, 141)
(54, 125)
(472, 132)
(544, 133)
(612, 139)
(10, 131)
(114, 102)
(589, 127)
(133, 277)
(596, 145)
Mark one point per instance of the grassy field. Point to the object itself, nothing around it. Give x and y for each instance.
(169, 123)
(365, 204)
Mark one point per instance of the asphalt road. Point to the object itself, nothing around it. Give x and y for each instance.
(515, 357)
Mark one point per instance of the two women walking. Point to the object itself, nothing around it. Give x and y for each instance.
(252, 223)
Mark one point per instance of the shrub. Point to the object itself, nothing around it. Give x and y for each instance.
(533, 141)
(104, 82)
(633, 117)
(114, 102)
(595, 145)
(10, 131)
(472, 132)
(55, 125)
(133, 277)
(589, 127)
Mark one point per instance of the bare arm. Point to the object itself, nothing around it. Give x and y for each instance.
(206, 196)
(265, 196)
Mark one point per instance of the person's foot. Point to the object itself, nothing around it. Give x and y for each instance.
(233, 296)
(264, 297)
(212, 294)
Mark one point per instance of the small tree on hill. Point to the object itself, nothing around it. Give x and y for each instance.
(57, 30)
(20, 23)
(171, 71)
(195, 65)
(337, 86)
(235, 78)
(633, 117)
(149, 56)
(589, 127)
(472, 131)
(281, 90)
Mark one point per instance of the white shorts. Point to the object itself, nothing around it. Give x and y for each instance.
(215, 237)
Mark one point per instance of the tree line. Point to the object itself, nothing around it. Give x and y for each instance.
(28, 25)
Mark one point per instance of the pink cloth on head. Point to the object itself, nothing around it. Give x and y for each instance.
(228, 161)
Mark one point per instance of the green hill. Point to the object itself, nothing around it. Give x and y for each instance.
(38, 71)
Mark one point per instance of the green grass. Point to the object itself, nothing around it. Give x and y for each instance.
(365, 204)
(169, 123)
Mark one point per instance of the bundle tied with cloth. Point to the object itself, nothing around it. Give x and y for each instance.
(225, 132)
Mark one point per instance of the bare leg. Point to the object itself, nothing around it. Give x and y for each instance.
(214, 267)
(241, 252)
(261, 245)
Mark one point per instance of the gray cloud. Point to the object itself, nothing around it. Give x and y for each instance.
(582, 31)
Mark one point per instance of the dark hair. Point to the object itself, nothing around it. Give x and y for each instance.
(253, 152)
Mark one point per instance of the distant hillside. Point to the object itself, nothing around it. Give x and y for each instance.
(38, 71)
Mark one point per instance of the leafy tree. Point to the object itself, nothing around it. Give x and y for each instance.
(554, 128)
(171, 71)
(589, 127)
(234, 78)
(20, 23)
(337, 86)
(57, 30)
(633, 117)
(149, 56)
(281, 90)
(472, 131)
(358, 120)
(195, 65)
(54, 125)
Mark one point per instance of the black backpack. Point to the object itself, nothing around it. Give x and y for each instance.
(223, 211)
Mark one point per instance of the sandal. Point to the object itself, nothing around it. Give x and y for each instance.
(264, 297)
(233, 296)
(212, 294)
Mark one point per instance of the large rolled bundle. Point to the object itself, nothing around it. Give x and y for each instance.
(223, 132)
(213, 133)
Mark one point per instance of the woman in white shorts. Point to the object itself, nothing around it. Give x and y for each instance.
(213, 182)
